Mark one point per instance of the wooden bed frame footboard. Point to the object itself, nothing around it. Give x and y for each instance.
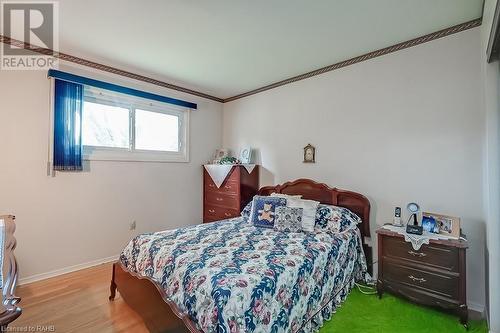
(148, 300)
(163, 316)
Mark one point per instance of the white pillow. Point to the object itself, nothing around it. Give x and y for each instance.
(286, 196)
(309, 208)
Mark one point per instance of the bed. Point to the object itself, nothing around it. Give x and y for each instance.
(230, 276)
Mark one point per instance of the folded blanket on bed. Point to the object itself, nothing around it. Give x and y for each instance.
(231, 276)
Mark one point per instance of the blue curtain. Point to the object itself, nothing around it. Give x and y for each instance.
(68, 104)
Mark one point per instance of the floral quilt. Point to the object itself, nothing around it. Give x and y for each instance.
(231, 276)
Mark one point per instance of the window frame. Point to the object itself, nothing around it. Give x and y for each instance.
(130, 154)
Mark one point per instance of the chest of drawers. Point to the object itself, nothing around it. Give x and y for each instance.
(434, 275)
(230, 198)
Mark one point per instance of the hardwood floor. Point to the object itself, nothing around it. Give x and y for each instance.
(76, 302)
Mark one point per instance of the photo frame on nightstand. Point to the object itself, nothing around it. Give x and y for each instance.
(446, 225)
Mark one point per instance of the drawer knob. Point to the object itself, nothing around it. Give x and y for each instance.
(227, 186)
(211, 210)
(227, 214)
(210, 185)
(219, 199)
(417, 254)
(421, 280)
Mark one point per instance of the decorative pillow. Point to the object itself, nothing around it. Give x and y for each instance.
(263, 210)
(288, 219)
(335, 219)
(309, 211)
(247, 210)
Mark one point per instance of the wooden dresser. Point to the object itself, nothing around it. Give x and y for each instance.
(232, 196)
(434, 275)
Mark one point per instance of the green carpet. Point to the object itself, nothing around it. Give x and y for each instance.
(368, 314)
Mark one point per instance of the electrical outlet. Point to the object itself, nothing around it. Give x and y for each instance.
(133, 225)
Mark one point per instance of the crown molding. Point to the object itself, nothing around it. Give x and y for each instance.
(374, 54)
(367, 56)
(104, 68)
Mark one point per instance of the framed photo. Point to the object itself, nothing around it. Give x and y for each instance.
(219, 154)
(442, 224)
(309, 154)
(246, 155)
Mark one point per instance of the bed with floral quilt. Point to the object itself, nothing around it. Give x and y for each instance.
(233, 276)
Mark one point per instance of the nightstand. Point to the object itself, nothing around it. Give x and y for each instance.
(433, 276)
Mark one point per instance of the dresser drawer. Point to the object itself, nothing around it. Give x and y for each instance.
(233, 177)
(442, 284)
(229, 187)
(215, 213)
(224, 200)
(422, 297)
(442, 257)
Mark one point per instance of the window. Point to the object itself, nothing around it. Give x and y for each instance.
(124, 128)
(105, 125)
(156, 131)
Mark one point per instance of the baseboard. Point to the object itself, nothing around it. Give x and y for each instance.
(69, 269)
(477, 310)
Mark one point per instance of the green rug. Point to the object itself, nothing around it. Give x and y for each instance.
(368, 314)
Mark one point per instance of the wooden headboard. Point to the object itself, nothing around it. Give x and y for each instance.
(312, 190)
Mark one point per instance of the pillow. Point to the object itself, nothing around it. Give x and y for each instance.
(286, 196)
(263, 210)
(247, 210)
(335, 219)
(288, 219)
(309, 211)
(323, 215)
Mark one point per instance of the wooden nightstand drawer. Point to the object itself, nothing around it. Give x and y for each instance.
(422, 296)
(443, 284)
(443, 257)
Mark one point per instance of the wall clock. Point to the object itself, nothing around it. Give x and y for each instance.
(309, 154)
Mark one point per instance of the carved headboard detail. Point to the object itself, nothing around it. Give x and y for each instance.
(312, 190)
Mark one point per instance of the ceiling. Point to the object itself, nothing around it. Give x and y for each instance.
(227, 47)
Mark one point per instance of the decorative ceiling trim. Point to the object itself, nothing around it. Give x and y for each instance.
(374, 54)
(105, 68)
(397, 47)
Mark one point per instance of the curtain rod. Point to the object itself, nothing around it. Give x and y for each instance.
(119, 89)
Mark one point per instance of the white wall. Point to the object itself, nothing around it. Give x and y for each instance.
(492, 175)
(76, 218)
(408, 126)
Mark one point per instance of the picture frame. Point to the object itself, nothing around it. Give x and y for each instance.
(430, 224)
(309, 154)
(245, 156)
(219, 154)
(447, 225)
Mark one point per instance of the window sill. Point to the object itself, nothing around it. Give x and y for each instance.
(135, 156)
